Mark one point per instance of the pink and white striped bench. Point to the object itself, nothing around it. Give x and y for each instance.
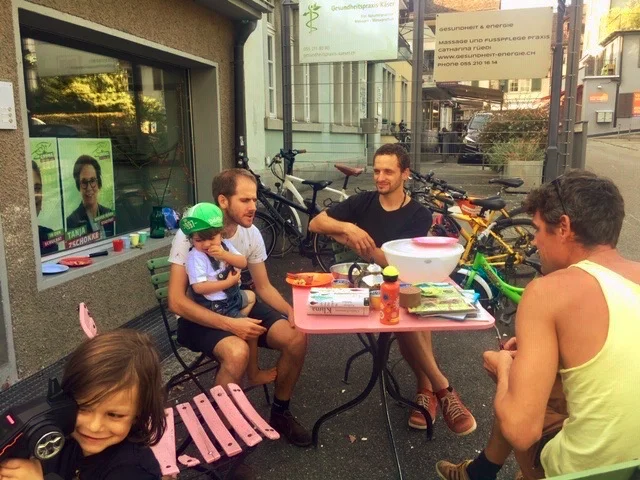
(236, 409)
(243, 419)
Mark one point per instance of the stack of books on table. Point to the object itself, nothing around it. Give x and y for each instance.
(338, 301)
(447, 301)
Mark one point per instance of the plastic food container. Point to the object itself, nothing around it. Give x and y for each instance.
(422, 263)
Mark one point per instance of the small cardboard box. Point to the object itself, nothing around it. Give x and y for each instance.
(338, 301)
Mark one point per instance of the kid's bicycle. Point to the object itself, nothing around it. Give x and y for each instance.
(496, 294)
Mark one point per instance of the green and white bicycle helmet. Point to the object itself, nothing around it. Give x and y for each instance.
(201, 216)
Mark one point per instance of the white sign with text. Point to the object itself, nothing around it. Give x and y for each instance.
(348, 31)
(56, 60)
(493, 45)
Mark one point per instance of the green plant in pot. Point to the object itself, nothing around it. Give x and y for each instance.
(155, 173)
(518, 158)
(157, 226)
(517, 150)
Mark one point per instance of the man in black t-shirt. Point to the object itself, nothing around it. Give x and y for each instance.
(364, 222)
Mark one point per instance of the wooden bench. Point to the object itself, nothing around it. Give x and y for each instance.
(247, 424)
(221, 447)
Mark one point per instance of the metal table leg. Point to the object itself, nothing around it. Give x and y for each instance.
(381, 358)
(375, 374)
(380, 351)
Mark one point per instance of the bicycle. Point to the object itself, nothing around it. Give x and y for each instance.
(510, 238)
(436, 186)
(403, 135)
(482, 276)
(318, 248)
(286, 188)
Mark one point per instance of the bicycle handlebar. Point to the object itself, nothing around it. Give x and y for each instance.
(287, 155)
(445, 186)
(442, 184)
(290, 154)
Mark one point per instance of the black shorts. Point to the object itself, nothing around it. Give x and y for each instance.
(204, 339)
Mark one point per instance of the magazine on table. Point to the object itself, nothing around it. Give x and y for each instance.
(445, 300)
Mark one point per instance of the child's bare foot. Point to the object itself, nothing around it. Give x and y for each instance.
(262, 377)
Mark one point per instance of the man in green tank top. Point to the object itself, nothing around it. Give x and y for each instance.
(576, 330)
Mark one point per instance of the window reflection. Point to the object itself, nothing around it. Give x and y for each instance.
(109, 140)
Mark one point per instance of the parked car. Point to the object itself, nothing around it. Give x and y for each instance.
(471, 148)
(52, 130)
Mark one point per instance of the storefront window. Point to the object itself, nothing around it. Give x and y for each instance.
(109, 141)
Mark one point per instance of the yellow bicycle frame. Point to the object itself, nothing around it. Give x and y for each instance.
(479, 224)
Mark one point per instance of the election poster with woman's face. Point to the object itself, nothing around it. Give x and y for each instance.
(86, 166)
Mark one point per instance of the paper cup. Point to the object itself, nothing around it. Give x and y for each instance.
(143, 237)
(374, 299)
(126, 242)
(118, 245)
(135, 238)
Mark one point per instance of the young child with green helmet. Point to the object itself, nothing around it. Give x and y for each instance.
(213, 266)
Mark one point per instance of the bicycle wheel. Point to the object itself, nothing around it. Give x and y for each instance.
(425, 200)
(324, 253)
(285, 242)
(514, 212)
(501, 307)
(268, 229)
(518, 234)
(444, 226)
(479, 284)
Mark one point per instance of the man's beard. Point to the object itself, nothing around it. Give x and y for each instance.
(388, 190)
(237, 219)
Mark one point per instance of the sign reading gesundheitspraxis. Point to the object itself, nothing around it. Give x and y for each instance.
(348, 30)
(493, 45)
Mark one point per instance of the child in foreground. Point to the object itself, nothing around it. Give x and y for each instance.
(116, 380)
(213, 266)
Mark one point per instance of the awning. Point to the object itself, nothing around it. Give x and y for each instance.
(456, 91)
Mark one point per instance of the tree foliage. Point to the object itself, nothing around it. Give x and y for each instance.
(622, 19)
(515, 135)
(101, 92)
(530, 125)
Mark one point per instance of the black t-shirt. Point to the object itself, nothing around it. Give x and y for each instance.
(124, 461)
(364, 209)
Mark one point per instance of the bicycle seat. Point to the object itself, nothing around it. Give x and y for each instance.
(349, 171)
(514, 182)
(319, 185)
(489, 203)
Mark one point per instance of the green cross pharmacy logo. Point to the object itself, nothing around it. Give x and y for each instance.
(312, 13)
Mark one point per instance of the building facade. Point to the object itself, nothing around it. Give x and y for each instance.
(108, 109)
(329, 101)
(610, 67)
